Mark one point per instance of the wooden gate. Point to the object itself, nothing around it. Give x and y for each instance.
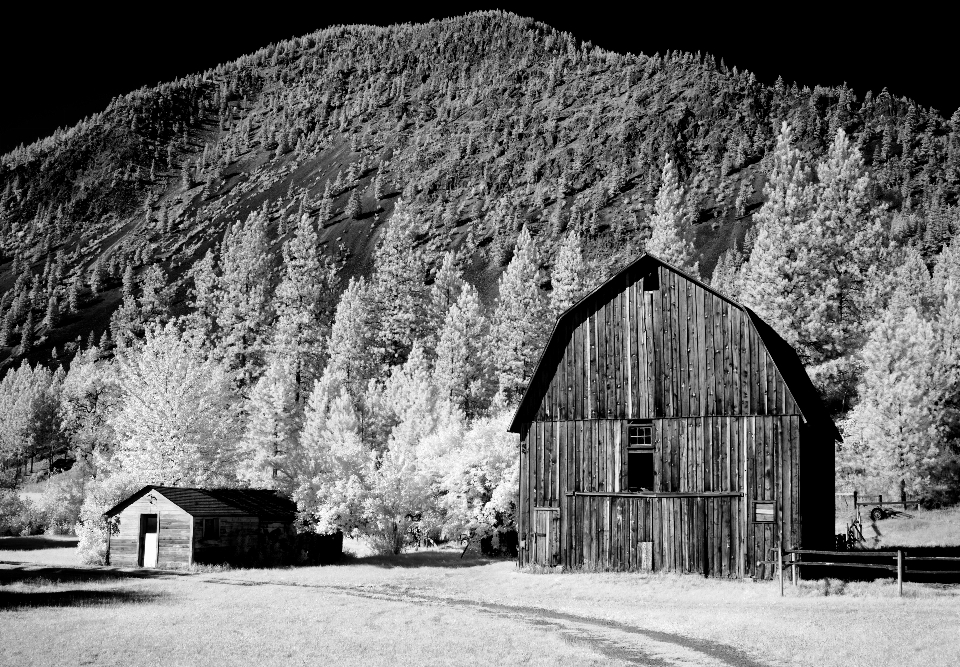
(546, 536)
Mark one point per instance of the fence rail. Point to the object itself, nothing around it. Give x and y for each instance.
(789, 558)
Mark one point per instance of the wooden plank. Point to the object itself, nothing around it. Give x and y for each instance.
(683, 345)
(657, 352)
(703, 354)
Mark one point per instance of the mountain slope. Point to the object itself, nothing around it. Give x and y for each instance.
(480, 124)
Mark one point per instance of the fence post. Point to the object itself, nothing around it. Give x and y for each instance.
(903, 494)
(854, 501)
(880, 499)
(899, 573)
(780, 564)
(794, 575)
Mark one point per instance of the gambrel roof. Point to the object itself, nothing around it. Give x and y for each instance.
(262, 503)
(783, 355)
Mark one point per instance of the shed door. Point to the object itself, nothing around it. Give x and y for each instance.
(546, 536)
(148, 539)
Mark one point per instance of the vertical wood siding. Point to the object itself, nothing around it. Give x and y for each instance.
(727, 432)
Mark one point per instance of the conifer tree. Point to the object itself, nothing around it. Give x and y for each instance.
(244, 308)
(520, 321)
(353, 208)
(353, 330)
(768, 283)
(400, 291)
(670, 224)
(271, 428)
(460, 370)
(305, 304)
(569, 274)
(52, 317)
(26, 335)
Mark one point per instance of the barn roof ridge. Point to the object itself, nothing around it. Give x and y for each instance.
(808, 400)
(198, 501)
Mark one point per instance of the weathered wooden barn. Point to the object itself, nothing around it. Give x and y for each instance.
(166, 526)
(667, 427)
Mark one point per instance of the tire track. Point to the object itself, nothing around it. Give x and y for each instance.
(612, 639)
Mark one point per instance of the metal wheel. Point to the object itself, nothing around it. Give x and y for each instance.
(877, 514)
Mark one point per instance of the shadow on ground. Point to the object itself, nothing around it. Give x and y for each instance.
(445, 559)
(17, 573)
(10, 600)
(35, 542)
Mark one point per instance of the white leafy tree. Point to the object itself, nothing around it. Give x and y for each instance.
(176, 423)
(331, 461)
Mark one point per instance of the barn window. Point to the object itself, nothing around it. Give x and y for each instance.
(762, 512)
(640, 457)
(211, 529)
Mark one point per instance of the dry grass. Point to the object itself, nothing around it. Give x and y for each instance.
(925, 528)
(432, 607)
(45, 549)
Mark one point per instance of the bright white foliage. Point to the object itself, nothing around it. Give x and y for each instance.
(177, 421)
(520, 321)
(670, 224)
(569, 277)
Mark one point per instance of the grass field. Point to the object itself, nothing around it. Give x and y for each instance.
(434, 608)
(923, 528)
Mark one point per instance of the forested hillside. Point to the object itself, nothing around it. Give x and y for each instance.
(366, 217)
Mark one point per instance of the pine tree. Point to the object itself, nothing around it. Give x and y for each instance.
(400, 291)
(96, 277)
(816, 242)
(353, 208)
(519, 321)
(26, 335)
(305, 302)
(447, 286)
(325, 209)
(569, 274)
(272, 427)
(353, 330)
(244, 308)
(52, 317)
(460, 369)
(6, 327)
(378, 185)
(73, 298)
(768, 284)
(670, 224)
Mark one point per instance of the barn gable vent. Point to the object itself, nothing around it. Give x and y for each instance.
(651, 281)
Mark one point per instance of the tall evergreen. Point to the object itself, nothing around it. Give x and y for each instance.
(245, 305)
(671, 225)
(569, 277)
(520, 321)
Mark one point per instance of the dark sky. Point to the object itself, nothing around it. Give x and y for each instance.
(61, 66)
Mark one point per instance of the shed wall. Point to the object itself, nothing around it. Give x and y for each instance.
(174, 527)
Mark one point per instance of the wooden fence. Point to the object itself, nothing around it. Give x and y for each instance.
(792, 558)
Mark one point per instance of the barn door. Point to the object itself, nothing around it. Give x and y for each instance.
(148, 540)
(546, 536)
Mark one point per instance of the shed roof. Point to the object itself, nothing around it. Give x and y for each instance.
(262, 503)
(784, 356)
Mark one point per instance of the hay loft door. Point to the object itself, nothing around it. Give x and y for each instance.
(148, 540)
(546, 536)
